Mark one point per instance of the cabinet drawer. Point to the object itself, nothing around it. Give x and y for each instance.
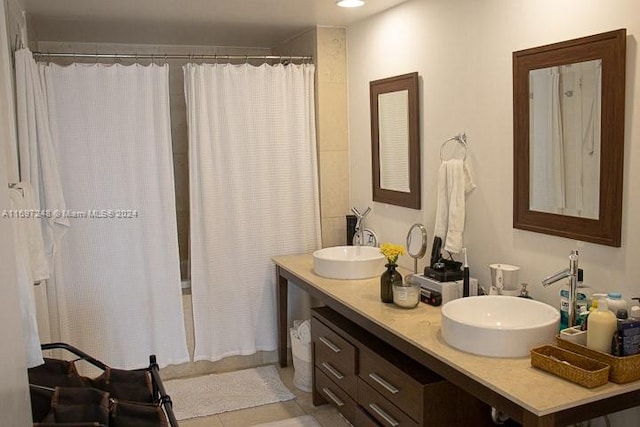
(331, 347)
(379, 408)
(336, 396)
(392, 383)
(363, 419)
(334, 356)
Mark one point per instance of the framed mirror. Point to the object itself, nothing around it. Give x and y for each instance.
(568, 124)
(395, 140)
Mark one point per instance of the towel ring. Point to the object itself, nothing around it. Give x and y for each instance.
(461, 139)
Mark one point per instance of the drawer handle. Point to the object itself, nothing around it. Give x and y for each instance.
(390, 388)
(333, 397)
(332, 370)
(329, 344)
(388, 418)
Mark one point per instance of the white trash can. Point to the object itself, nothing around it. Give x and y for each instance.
(301, 352)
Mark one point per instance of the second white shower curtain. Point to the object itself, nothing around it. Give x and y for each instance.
(254, 195)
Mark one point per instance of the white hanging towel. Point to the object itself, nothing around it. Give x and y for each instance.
(454, 182)
(32, 232)
(25, 282)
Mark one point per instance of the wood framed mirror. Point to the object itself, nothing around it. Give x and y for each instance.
(568, 152)
(395, 140)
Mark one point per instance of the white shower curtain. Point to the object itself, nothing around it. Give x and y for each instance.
(557, 149)
(254, 195)
(547, 192)
(588, 196)
(116, 272)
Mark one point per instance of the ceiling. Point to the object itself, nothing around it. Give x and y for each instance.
(246, 23)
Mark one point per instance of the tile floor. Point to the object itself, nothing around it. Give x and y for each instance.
(325, 415)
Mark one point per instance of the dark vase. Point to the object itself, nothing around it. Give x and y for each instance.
(387, 280)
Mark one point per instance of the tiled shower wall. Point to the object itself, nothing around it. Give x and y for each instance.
(327, 45)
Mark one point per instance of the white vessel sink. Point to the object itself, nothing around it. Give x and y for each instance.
(348, 262)
(498, 326)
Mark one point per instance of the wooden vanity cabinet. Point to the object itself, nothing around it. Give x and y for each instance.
(373, 384)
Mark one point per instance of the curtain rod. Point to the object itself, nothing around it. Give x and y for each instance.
(161, 57)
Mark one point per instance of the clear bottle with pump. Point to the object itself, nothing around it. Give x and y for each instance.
(601, 326)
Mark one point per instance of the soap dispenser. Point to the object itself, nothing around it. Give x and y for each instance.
(601, 327)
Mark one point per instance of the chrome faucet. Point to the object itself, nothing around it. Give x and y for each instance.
(572, 274)
(359, 234)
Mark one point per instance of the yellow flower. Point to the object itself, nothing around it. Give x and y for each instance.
(391, 252)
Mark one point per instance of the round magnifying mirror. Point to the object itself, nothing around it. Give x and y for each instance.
(416, 244)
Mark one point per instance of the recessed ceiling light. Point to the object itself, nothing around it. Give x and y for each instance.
(350, 3)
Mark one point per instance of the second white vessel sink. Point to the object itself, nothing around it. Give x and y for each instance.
(348, 262)
(498, 326)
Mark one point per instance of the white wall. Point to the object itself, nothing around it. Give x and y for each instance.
(462, 50)
(15, 33)
(15, 408)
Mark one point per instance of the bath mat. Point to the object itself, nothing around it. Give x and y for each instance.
(217, 393)
(304, 421)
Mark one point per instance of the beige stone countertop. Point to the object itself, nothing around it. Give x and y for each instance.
(537, 391)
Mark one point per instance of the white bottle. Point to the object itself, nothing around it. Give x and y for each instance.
(601, 326)
(615, 302)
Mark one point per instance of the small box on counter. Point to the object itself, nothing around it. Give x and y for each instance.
(448, 290)
(575, 335)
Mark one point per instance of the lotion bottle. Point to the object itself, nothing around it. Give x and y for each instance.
(601, 327)
(615, 302)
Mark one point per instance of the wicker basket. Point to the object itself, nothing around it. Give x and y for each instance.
(623, 369)
(571, 366)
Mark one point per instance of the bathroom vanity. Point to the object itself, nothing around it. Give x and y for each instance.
(372, 383)
(401, 342)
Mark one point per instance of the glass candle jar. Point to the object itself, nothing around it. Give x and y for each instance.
(406, 295)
